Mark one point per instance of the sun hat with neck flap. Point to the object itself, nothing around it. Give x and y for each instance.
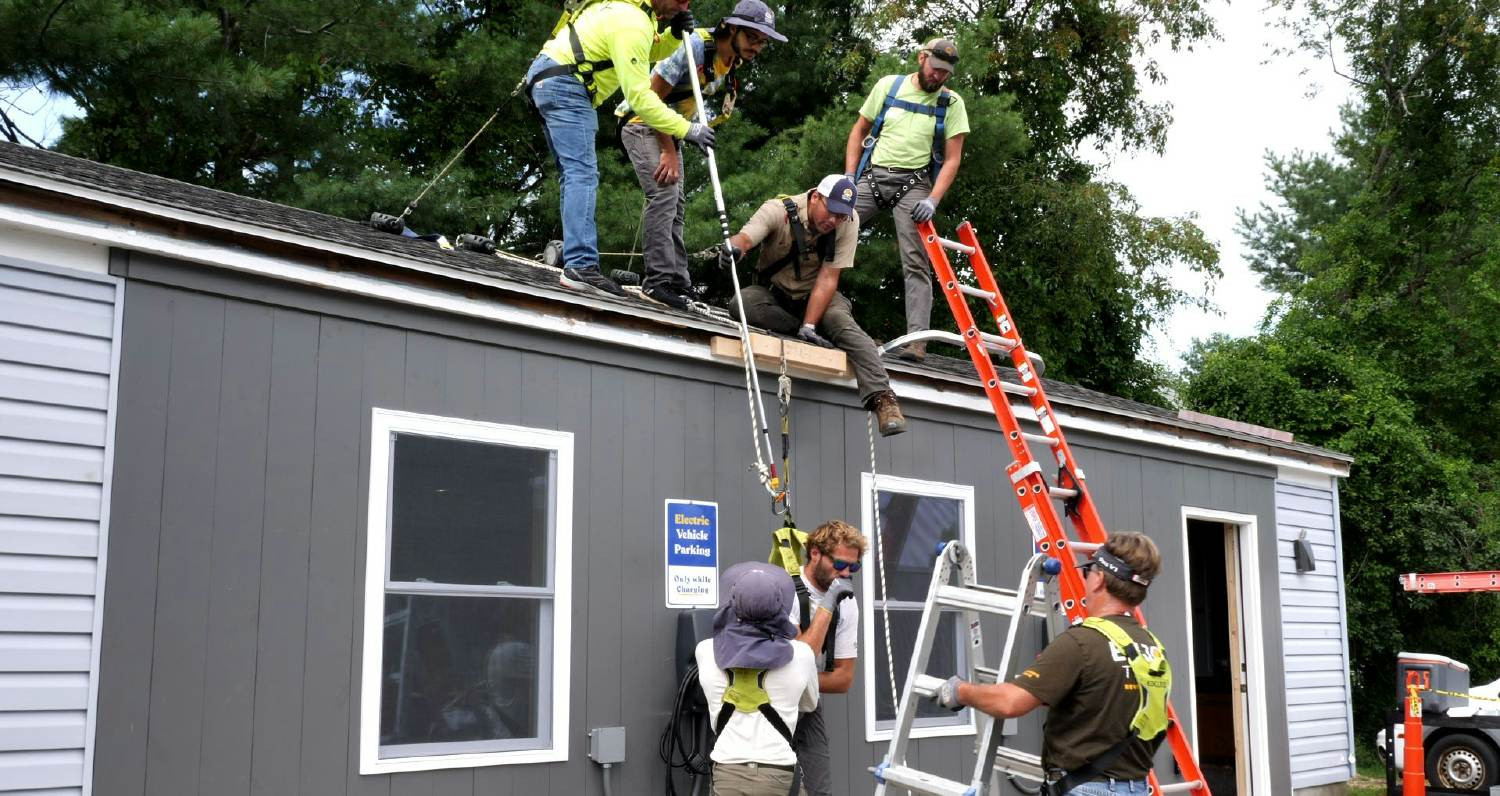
(753, 629)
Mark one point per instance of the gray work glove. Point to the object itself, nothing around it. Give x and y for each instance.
(729, 254)
(924, 210)
(841, 588)
(682, 24)
(808, 333)
(701, 136)
(947, 695)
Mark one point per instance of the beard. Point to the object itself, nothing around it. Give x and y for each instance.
(928, 84)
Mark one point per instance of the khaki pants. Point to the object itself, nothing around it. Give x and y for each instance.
(778, 312)
(743, 779)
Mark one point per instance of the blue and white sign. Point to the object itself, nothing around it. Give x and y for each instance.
(692, 554)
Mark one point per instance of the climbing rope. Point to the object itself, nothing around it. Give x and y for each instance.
(885, 594)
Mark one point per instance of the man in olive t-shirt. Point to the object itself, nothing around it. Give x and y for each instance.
(805, 242)
(1090, 691)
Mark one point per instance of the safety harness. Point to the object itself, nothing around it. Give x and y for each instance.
(793, 257)
(582, 67)
(1153, 682)
(746, 693)
(939, 112)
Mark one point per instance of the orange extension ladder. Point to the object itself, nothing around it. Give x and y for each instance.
(1035, 495)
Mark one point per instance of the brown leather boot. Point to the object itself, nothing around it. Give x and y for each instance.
(914, 352)
(888, 417)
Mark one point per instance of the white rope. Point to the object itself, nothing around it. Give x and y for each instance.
(885, 594)
(753, 397)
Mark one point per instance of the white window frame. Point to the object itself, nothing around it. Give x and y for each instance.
(385, 424)
(870, 486)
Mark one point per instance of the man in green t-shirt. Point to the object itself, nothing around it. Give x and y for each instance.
(1093, 741)
(903, 153)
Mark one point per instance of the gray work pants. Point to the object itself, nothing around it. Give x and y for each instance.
(810, 742)
(916, 271)
(661, 218)
(774, 310)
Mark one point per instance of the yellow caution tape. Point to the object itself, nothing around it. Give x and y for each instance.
(1465, 696)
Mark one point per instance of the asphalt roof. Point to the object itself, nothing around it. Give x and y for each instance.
(522, 273)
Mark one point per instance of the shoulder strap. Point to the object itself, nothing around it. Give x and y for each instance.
(939, 138)
(793, 257)
(764, 708)
(581, 67)
(828, 638)
(877, 125)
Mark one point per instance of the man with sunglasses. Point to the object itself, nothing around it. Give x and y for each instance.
(805, 242)
(1105, 682)
(831, 628)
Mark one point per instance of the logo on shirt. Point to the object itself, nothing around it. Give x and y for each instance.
(1032, 674)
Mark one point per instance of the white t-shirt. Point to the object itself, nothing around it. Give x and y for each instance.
(846, 635)
(749, 737)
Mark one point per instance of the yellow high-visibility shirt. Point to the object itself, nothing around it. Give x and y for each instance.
(626, 35)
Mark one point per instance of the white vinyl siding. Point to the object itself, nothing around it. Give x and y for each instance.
(58, 349)
(1316, 657)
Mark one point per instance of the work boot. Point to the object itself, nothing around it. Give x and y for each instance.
(888, 417)
(914, 352)
(669, 297)
(584, 278)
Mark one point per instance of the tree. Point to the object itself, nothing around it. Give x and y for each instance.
(1386, 345)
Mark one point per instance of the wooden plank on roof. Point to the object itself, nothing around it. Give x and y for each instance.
(800, 356)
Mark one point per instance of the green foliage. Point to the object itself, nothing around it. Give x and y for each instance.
(1386, 346)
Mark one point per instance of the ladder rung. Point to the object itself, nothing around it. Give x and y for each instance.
(926, 685)
(1004, 344)
(994, 601)
(985, 674)
(1182, 787)
(921, 781)
(1039, 438)
(1062, 493)
(970, 290)
(953, 245)
(1021, 764)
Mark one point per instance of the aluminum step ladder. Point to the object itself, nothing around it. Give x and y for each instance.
(1038, 499)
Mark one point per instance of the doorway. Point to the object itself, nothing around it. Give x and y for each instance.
(1219, 669)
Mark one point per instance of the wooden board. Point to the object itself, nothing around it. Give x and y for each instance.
(799, 356)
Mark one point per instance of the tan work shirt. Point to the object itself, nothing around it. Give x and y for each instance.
(770, 229)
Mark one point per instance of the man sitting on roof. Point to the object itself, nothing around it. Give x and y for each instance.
(805, 241)
(608, 44)
(735, 41)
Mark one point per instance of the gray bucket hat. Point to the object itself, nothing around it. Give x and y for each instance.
(753, 629)
(755, 15)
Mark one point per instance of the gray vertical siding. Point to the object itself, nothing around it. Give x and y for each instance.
(233, 639)
(1314, 633)
(57, 357)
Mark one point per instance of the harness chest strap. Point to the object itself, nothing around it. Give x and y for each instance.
(939, 112)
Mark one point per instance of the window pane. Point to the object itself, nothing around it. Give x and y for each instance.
(911, 526)
(472, 513)
(461, 669)
(944, 662)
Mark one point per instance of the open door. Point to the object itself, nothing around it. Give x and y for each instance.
(1219, 673)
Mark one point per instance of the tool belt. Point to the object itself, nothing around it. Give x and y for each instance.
(887, 202)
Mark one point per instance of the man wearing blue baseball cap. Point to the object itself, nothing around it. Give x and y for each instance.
(656, 155)
(805, 242)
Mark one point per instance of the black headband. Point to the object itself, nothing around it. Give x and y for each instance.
(1112, 564)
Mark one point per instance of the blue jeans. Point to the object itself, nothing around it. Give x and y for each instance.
(1111, 787)
(569, 120)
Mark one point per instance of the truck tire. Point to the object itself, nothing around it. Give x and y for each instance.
(1463, 762)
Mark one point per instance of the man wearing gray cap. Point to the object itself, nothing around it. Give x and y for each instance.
(904, 151)
(805, 242)
(756, 678)
(657, 157)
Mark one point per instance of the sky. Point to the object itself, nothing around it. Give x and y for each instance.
(1232, 102)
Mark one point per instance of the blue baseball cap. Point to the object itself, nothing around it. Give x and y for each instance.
(755, 15)
(839, 192)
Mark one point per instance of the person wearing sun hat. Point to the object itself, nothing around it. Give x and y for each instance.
(756, 678)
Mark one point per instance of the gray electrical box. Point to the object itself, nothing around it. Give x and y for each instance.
(607, 745)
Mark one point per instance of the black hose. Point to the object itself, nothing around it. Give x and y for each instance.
(676, 751)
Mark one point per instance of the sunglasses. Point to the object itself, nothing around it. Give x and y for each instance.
(1085, 568)
(841, 566)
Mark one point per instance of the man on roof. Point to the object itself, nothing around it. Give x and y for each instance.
(735, 41)
(903, 151)
(805, 242)
(609, 44)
